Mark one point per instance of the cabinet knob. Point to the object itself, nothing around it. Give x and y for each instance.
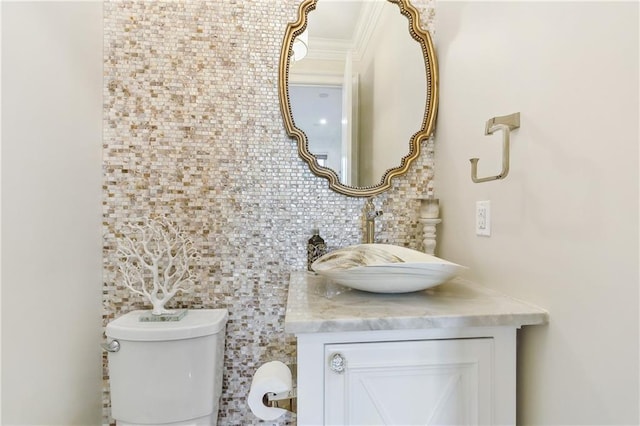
(337, 363)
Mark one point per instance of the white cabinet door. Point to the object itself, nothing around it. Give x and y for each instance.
(425, 382)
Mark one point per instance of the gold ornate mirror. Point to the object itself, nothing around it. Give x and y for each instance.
(358, 89)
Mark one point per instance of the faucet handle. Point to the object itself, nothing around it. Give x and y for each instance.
(368, 205)
(370, 213)
(370, 209)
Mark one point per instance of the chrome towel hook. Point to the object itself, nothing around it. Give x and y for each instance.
(506, 123)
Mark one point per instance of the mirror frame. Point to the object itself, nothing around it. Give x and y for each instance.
(429, 117)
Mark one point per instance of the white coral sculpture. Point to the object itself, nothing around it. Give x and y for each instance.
(156, 261)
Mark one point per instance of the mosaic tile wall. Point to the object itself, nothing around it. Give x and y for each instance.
(193, 131)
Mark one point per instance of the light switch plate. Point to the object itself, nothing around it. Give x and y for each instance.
(483, 218)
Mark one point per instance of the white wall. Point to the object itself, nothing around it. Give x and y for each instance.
(565, 220)
(51, 212)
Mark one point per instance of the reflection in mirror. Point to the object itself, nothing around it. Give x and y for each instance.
(363, 95)
(318, 113)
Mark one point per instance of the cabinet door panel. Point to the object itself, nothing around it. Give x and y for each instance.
(430, 382)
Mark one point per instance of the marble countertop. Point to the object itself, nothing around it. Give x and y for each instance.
(317, 305)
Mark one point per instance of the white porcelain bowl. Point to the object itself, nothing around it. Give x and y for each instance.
(385, 268)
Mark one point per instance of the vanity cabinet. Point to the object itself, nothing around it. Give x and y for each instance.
(409, 383)
(405, 377)
(444, 356)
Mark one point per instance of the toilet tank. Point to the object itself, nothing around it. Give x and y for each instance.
(166, 371)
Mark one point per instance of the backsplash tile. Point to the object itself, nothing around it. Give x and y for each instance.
(193, 131)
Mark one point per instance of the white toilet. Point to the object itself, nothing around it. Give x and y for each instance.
(167, 373)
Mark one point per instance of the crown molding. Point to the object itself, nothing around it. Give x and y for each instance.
(329, 49)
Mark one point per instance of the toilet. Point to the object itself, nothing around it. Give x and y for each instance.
(169, 372)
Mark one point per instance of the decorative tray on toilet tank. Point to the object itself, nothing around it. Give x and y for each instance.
(385, 268)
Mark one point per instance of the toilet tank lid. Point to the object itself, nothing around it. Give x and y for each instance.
(197, 323)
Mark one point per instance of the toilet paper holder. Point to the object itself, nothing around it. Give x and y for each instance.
(285, 400)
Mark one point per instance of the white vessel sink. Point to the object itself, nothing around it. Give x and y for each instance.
(385, 268)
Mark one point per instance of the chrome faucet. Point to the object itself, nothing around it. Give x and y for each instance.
(370, 213)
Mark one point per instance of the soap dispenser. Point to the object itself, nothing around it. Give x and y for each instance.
(315, 248)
